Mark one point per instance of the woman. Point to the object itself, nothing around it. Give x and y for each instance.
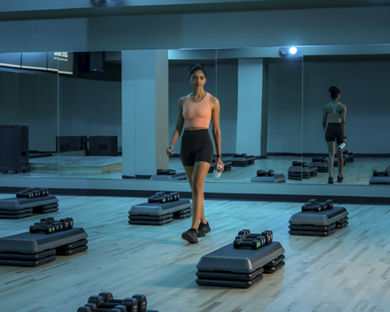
(333, 121)
(195, 112)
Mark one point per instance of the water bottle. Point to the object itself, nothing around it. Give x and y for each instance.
(217, 171)
(341, 146)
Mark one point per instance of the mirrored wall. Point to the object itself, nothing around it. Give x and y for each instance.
(271, 108)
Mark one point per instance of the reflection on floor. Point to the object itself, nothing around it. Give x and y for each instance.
(76, 165)
(348, 271)
(357, 172)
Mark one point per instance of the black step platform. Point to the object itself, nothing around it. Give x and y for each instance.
(242, 160)
(240, 268)
(321, 163)
(276, 178)
(321, 223)
(33, 249)
(302, 172)
(381, 177)
(165, 177)
(16, 208)
(159, 213)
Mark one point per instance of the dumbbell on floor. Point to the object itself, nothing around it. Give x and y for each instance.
(138, 300)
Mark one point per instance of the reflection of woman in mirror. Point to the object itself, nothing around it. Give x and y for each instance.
(333, 121)
(195, 112)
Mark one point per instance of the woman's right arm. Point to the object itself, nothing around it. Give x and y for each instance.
(343, 121)
(179, 127)
(324, 118)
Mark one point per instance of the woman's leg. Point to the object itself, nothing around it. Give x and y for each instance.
(340, 162)
(331, 148)
(200, 171)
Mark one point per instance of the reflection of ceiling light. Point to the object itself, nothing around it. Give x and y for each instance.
(293, 50)
(288, 51)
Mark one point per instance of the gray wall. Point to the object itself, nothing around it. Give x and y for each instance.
(284, 103)
(365, 90)
(87, 107)
(226, 91)
(30, 99)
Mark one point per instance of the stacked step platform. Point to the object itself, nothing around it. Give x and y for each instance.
(160, 209)
(318, 219)
(321, 163)
(241, 263)
(227, 161)
(28, 202)
(347, 156)
(381, 177)
(268, 176)
(301, 170)
(242, 160)
(105, 302)
(45, 240)
(168, 174)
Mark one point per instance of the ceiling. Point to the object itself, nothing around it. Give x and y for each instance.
(44, 9)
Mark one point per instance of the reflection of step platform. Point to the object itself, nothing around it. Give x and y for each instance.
(276, 178)
(321, 163)
(321, 223)
(16, 208)
(159, 213)
(381, 177)
(240, 268)
(299, 172)
(242, 160)
(32, 249)
(380, 180)
(165, 177)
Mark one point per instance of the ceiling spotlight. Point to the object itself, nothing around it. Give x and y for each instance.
(293, 50)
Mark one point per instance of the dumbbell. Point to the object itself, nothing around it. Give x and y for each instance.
(261, 173)
(96, 303)
(298, 163)
(134, 304)
(176, 195)
(166, 171)
(43, 192)
(314, 206)
(329, 203)
(159, 197)
(50, 221)
(24, 194)
(42, 228)
(268, 235)
(68, 223)
(244, 232)
(377, 173)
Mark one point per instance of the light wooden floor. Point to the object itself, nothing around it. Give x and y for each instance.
(348, 271)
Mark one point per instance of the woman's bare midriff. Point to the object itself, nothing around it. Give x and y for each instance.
(195, 128)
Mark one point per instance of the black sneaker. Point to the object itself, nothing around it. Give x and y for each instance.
(203, 229)
(190, 236)
(330, 180)
(340, 179)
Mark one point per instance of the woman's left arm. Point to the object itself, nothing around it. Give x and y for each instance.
(216, 129)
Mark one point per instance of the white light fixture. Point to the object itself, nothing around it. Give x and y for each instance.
(293, 50)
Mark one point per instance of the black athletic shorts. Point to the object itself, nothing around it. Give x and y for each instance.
(334, 133)
(196, 146)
